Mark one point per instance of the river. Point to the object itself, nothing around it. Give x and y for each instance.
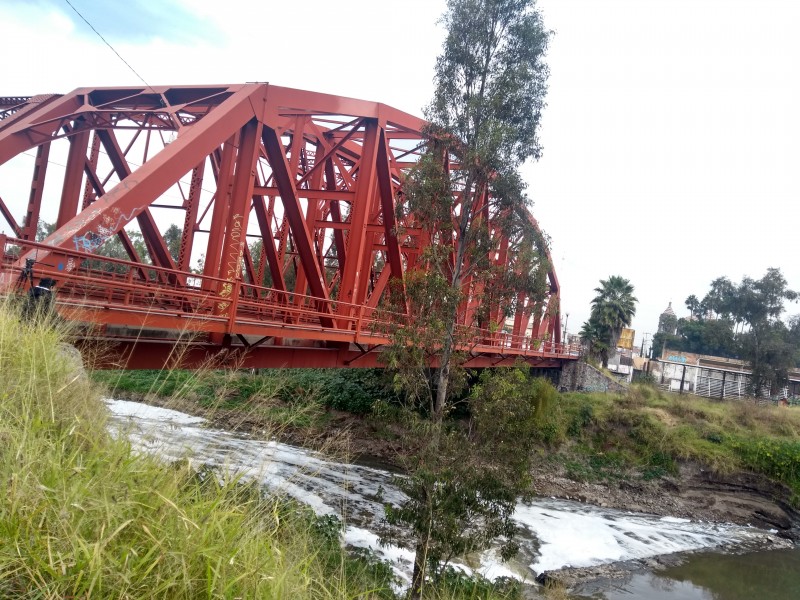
(553, 533)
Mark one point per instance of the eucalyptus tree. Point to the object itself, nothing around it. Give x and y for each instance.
(758, 305)
(490, 83)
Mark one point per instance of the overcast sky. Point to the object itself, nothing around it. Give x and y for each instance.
(671, 135)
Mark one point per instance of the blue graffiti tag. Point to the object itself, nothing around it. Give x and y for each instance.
(92, 240)
(88, 242)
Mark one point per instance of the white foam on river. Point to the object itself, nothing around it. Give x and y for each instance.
(553, 533)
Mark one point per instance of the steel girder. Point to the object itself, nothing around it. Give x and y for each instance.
(315, 179)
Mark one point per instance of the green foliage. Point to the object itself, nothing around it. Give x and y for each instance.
(582, 419)
(595, 337)
(713, 337)
(172, 238)
(43, 229)
(648, 433)
(491, 80)
(351, 390)
(490, 83)
(743, 321)
(776, 458)
(612, 309)
(432, 300)
(694, 305)
(462, 485)
(507, 407)
(456, 583)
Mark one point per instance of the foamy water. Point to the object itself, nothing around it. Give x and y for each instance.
(553, 533)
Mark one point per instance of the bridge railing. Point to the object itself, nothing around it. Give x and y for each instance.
(112, 291)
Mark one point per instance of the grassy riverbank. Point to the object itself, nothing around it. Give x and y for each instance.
(82, 516)
(605, 436)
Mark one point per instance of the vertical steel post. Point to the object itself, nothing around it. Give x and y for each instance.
(352, 279)
(219, 216)
(70, 192)
(238, 214)
(683, 378)
(31, 224)
(191, 205)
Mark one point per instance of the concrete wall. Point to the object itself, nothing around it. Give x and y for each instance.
(578, 376)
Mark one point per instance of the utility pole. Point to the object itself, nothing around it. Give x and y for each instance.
(644, 339)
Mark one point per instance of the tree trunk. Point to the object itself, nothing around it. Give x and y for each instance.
(443, 378)
(424, 541)
(443, 375)
(418, 576)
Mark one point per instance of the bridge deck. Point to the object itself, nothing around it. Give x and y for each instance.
(147, 316)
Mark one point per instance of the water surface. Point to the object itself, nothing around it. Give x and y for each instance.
(553, 533)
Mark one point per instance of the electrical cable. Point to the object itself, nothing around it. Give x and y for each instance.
(85, 20)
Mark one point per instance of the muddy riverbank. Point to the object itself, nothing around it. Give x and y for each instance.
(695, 493)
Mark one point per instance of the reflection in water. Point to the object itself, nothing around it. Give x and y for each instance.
(773, 575)
(652, 587)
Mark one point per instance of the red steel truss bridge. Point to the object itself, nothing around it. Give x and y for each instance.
(203, 172)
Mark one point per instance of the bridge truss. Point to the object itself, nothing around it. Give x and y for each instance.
(267, 219)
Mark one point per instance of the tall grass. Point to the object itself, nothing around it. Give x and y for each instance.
(83, 516)
(653, 431)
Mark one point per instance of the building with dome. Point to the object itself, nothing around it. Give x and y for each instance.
(668, 321)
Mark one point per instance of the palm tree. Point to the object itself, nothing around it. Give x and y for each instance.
(595, 338)
(693, 304)
(613, 307)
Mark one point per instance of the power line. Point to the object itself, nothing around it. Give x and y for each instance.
(85, 20)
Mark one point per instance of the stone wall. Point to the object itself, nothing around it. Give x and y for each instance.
(578, 376)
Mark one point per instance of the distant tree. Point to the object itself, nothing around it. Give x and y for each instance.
(759, 305)
(43, 229)
(744, 321)
(717, 300)
(663, 340)
(172, 238)
(114, 248)
(613, 308)
(706, 336)
(693, 304)
(595, 337)
(111, 248)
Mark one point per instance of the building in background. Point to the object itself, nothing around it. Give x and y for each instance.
(711, 376)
